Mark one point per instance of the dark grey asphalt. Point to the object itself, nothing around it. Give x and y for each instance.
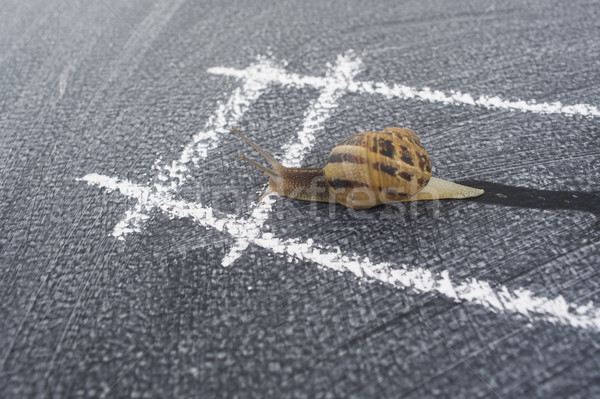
(105, 87)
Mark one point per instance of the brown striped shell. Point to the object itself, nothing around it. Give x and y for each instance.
(373, 168)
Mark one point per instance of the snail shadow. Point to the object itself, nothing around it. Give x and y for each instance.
(501, 194)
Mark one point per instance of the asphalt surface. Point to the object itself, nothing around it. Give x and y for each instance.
(119, 89)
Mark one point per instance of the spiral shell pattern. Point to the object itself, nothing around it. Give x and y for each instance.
(373, 168)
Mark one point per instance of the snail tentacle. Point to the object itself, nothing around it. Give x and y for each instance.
(268, 157)
(268, 172)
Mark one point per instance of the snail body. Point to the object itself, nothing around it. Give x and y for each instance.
(365, 170)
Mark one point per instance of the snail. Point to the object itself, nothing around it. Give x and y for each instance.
(365, 170)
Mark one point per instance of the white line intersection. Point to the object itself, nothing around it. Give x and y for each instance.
(338, 81)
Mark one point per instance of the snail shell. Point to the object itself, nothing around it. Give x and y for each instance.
(386, 166)
(365, 170)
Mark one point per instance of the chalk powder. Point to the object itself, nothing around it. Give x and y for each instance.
(499, 299)
(337, 82)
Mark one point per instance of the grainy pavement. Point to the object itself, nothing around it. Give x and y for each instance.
(122, 198)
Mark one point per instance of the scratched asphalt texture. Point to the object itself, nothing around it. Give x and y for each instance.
(114, 87)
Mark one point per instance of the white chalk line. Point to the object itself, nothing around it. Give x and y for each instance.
(497, 299)
(172, 177)
(257, 78)
(319, 111)
(426, 94)
(246, 231)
